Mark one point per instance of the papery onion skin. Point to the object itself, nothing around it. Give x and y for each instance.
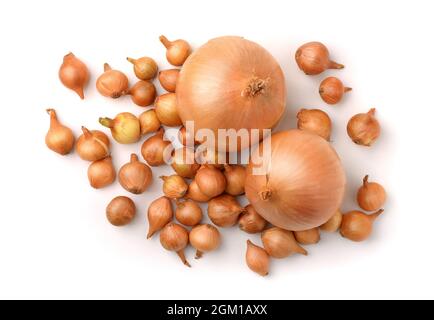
(93, 145)
(363, 128)
(332, 90)
(310, 236)
(121, 211)
(257, 259)
(304, 184)
(224, 210)
(315, 121)
(101, 173)
(184, 163)
(211, 181)
(371, 196)
(149, 122)
(165, 107)
(250, 221)
(125, 127)
(112, 83)
(143, 93)
(204, 238)
(168, 79)
(177, 51)
(73, 74)
(333, 224)
(59, 138)
(195, 194)
(135, 176)
(231, 82)
(153, 149)
(145, 68)
(313, 58)
(235, 179)
(357, 226)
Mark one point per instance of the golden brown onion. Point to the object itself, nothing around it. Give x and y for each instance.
(257, 259)
(74, 74)
(250, 221)
(120, 211)
(125, 127)
(313, 58)
(168, 79)
(160, 213)
(310, 236)
(235, 179)
(149, 122)
(153, 149)
(204, 238)
(363, 128)
(143, 93)
(357, 225)
(302, 184)
(93, 145)
(332, 90)
(174, 237)
(333, 224)
(101, 173)
(165, 107)
(188, 213)
(371, 195)
(195, 194)
(224, 210)
(184, 163)
(59, 138)
(112, 83)
(211, 181)
(280, 243)
(145, 68)
(231, 82)
(135, 176)
(177, 51)
(315, 121)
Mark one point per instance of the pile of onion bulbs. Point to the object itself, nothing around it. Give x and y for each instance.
(294, 182)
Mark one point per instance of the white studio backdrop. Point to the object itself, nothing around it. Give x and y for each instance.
(54, 239)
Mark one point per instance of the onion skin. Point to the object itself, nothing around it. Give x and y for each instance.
(305, 185)
(149, 122)
(188, 213)
(174, 237)
(143, 93)
(101, 173)
(195, 194)
(332, 90)
(153, 149)
(333, 224)
(121, 211)
(184, 163)
(74, 74)
(315, 121)
(313, 58)
(357, 226)
(165, 107)
(231, 82)
(204, 238)
(280, 243)
(177, 51)
(257, 259)
(211, 181)
(250, 221)
(224, 210)
(112, 83)
(125, 127)
(310, 236)
(168, 79)
(363, 128)
(174, 186)
(93, 145)
(145, 68)
(135, 176)
(184, 137)
(59, 138)
(160, 213)
(235, 179)
(371, 195)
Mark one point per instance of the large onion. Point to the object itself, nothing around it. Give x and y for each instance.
(304, 182)
(231, 83)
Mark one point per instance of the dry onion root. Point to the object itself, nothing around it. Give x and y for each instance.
(59, 138)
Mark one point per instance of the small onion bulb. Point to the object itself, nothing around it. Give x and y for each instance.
(121, 211)
(371, 195)
(59, 138)
(204, 238)
(315, 121)
(93, 145)
(363, 128)
(257, 259)
(313, 58)
(357, 226)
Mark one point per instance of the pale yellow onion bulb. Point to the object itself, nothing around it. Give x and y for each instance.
(231, 82)
(303, 183)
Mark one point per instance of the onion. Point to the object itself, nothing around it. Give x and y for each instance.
(303, 184)
(231, 82)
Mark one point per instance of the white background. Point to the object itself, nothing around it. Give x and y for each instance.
(54, 239)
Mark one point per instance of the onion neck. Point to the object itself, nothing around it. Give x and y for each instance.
(134, 158)
(87, 134)
(165, 42)
(265, 194)
(106, 122)
(256, 86)
(365, 181)
(376, 214)
(107, 67)
(53, 117)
